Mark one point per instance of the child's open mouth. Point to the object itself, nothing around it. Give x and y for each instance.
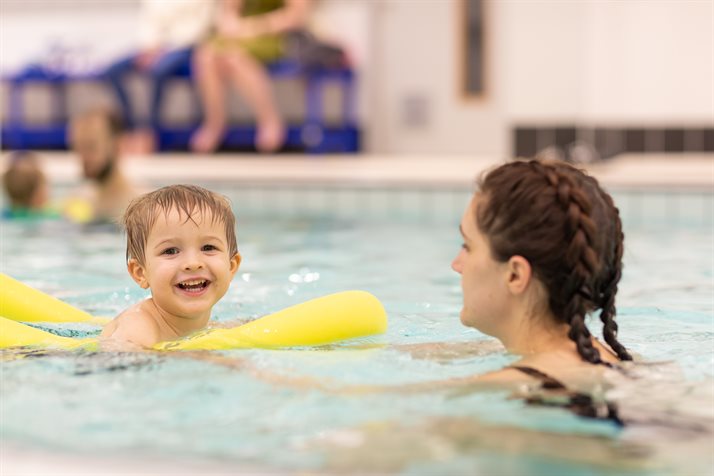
(194, 285)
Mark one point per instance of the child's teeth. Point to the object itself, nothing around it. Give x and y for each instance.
(192, 284)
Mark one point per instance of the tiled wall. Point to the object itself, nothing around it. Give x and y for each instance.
(674, 211)
(610, 141)
(372, 204)
(641, 209)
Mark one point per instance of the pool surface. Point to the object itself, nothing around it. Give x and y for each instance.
(261, 410)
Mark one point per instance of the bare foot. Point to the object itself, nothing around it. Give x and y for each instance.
(270, 136)
(206, 139)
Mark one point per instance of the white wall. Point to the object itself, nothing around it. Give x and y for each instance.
(650, 62)
(417, 58)
(598, 62)
(544, 68)
(96, 32)
(548, 62)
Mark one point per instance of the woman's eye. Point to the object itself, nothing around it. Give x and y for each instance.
(170, 251)
(208, 248)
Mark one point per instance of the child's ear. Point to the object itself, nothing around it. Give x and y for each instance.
(519, 274)
(137, 273)
(235, 263)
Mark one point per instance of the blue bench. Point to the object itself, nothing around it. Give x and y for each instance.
(313, 135)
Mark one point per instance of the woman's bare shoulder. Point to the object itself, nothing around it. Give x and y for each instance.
(507, 377)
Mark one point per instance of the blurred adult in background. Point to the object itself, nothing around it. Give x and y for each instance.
(248, 35)
(94, 137)
(168, 31)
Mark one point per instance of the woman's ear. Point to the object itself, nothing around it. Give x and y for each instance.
(137, 273)
(519, 274)
(235, 263)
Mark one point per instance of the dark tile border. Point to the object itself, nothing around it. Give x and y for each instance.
(609, 141)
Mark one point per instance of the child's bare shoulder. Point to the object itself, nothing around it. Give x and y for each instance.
(135, 325)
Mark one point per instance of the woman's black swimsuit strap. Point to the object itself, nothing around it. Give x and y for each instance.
(579, 403)
(547, 381)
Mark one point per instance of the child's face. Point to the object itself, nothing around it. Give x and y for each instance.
(187, 265)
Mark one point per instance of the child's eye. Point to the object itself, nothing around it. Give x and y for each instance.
(170, 251)
(208, 248)
(464, 246)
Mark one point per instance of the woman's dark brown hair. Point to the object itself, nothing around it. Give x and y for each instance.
(569, 230)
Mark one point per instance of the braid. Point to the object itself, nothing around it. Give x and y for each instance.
(609, 286)
(580, 235)
(580, 334)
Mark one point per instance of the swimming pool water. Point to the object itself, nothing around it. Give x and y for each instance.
(301, 243)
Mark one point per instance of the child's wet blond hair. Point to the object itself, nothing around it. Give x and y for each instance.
(141, 214)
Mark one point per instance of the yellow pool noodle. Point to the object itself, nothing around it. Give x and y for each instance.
(323, 320)
(15, 334)
(20, 302)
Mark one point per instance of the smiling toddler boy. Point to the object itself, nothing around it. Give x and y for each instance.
(181, 244)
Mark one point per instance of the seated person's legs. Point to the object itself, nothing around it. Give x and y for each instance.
(253, 82)
(209, 71)
(160, 67)
(115, 75)
(166, 66)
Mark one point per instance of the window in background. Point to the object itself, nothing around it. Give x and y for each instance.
(472, 60)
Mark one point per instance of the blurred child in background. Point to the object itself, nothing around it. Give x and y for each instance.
(26, 188)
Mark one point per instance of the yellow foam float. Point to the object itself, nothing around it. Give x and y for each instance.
(324, 320)
(77, 210)
(20, 302)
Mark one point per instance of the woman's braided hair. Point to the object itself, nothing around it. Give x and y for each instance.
(569, 230)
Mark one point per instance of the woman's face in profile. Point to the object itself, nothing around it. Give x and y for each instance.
(483, 279)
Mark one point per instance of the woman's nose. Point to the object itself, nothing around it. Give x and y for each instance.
(456, 265)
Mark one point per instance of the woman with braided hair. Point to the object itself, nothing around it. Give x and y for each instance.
(542, 249)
